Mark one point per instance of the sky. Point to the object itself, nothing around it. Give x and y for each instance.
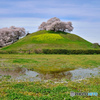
(84, 15)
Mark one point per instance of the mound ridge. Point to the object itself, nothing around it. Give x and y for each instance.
(50, 40)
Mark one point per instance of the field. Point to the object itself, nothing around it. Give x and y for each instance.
(50, 90)
(49, 63)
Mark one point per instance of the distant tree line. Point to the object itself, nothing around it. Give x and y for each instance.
(54, 24)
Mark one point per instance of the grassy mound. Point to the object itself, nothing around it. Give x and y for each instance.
(50, 40)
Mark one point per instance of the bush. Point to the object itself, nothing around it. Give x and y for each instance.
(38, 51)
(9, 52)
(51, 51)
(96, 45)
(64, 51)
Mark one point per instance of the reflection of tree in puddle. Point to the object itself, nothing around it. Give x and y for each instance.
(60, 75)
(13, 72)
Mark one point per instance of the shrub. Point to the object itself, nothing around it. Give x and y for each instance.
(64, 51)
(95, 45)
(38, 51)
(51, 51)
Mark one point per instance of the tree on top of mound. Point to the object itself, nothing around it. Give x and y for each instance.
(54, 24)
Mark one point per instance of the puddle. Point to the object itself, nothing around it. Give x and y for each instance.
(83, 73)
(22, 74)
(29, 76)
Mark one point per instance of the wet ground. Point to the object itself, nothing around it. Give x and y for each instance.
(22, 74)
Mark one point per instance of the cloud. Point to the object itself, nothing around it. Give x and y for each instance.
(49, 8)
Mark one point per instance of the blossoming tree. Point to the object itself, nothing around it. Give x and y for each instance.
(55, 24)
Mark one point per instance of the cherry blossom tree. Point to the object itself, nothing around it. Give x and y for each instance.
(43, 26)
(10, 35)
(55, 24)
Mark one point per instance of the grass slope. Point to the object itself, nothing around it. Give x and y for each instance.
(50, 40)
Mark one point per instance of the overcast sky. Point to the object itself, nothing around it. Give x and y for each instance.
(84, 15)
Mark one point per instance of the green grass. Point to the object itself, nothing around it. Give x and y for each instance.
(50, 40)
(49, 63)
(22, 61)
(49, 90)
(14, 90)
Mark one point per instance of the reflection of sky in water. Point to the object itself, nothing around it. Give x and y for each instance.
(29, 75)
(83, 73)
(73, 74)
(76, 74)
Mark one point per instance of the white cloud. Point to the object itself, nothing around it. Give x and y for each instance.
(53, 8)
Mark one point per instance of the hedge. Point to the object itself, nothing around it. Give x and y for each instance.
(51, 51)
(64, 51)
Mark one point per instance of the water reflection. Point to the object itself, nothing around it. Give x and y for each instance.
(22, 74)
(83, 73)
